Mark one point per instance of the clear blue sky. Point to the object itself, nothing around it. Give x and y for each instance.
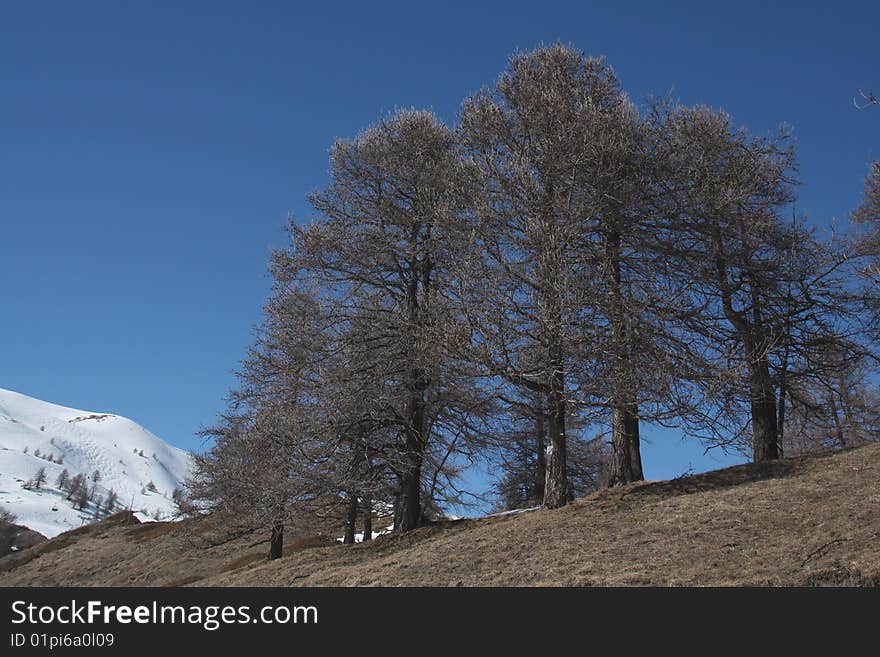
(150, 154)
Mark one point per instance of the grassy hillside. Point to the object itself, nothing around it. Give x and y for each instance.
(802, 521)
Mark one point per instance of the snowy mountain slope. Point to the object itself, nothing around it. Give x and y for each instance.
(35, 434)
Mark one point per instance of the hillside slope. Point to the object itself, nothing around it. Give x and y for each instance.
(127, 456)
(800, 521)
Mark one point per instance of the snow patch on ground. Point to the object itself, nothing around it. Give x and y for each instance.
(513, 512)
(359, 536)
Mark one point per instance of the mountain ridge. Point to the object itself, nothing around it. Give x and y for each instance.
(140, 468)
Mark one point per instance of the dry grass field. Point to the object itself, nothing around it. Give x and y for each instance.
(801, 521)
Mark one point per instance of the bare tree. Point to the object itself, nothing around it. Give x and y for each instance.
(82, 498)
(529, 138)
(111, 502)
(367, 512)
(271, 460)
(39, 478)
(571, 300)
(767, 300)
(733, 189)
(62, 479)
(264, 470)
(75, 485)
(351, 504)
(392, 226)
(99, 508)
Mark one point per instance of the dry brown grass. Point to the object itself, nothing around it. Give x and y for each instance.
(805, 521)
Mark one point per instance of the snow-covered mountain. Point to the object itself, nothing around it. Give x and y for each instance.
(139, 467)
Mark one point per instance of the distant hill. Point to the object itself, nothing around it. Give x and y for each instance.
(140, 468)
(801, 521)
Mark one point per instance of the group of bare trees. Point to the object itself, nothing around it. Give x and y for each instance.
(82, 490)
(533, 284)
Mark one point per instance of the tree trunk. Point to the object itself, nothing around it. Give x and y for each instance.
(557, 492)
(276, 542)
(407, 515)
(765, 430)
(408, 507)
(635, 443)
(765, 437)
(408, 512)
(838, 426)
(626, 459)
(368, 518)
(540, 455)
(626, 456)
(351, 513)
(783, 378)
(780, 411)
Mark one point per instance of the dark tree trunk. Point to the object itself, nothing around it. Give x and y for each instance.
(626, 456)
(368, 518)
(408, 507)
(635, 444)
(557, 492)
(351, 513)
(765, 429)
(408, 512)
(765, 420)
(626, 459)
(276, 542)
(540, 451)
(765, 437)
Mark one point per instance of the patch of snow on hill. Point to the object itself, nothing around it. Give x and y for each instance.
(128, 458)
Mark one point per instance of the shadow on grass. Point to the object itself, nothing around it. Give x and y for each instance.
(737, 475)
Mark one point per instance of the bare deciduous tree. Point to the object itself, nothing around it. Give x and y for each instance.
(391, 230)
(733, 242)
(39, 478)
(529, 139)
(62, 479)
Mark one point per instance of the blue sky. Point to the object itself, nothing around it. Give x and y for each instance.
(150, 154)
